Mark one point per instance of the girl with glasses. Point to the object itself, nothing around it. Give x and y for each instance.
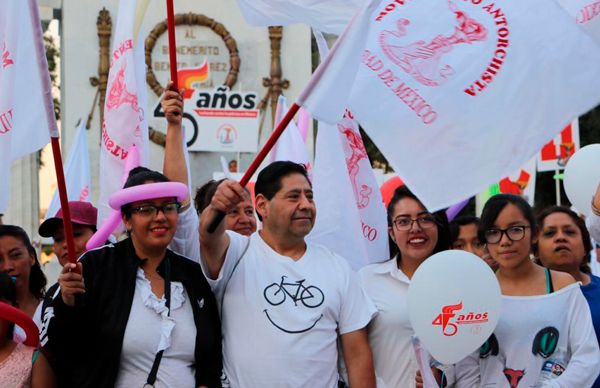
(415, 235)
(139, 314)
(564, 244)
(545, 336)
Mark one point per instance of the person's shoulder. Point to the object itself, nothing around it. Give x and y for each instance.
(375, 268)
(184, 262)
(100, 253)
(561, 280)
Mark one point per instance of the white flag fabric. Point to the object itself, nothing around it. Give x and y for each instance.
(351, 217)
(290, 146)
(324, 15)
(77, 172)
(124, 117)
(586, 14)
(459, 94)
(335, 74)
(23, 121)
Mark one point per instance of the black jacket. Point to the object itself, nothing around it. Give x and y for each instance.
(84, 342)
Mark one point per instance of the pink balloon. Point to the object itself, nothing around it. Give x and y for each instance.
(108, 226)
(148, 191)
(112, 221)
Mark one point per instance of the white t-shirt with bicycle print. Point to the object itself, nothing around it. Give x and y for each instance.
(281, 318)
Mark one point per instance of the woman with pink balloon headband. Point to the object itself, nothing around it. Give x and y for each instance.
(136, 305)
(545, 336)
(21, 364)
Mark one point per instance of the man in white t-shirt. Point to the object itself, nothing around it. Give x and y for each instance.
(284, 302)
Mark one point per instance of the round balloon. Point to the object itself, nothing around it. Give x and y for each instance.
(582, 176)
(454, 304)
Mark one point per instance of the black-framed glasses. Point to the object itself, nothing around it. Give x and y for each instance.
(405, 223)
(514, 233)
(151, 210)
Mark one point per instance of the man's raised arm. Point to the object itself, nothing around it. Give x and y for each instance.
(213, 246)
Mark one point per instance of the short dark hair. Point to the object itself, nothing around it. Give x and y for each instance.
(456, 223)
(37, 280)
(138, 176)
(268, 182)
(579, 222)
(8, 292)
(496, 204)
(204, 194)
(441, 220)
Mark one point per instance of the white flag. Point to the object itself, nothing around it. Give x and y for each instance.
(77, 172)
(23, 121)
(586, 14)
(351, 217)
(459, 94)
(324, 15)
(325, 96)
(290, 145)
(124, 116)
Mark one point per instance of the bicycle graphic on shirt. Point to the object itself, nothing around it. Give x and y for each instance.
(277, 293)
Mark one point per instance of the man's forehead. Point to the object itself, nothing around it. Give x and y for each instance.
(295, 182)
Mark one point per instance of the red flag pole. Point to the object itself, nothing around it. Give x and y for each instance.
(46, 87)
(172, 44)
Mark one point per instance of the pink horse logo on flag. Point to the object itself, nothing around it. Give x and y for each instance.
(6, 59)
(422, 59)
(358, 153)
(118, 94)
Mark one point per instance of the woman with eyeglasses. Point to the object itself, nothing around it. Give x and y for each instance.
(139, 314)
(544, 337)
(564, 245)
(415, 235)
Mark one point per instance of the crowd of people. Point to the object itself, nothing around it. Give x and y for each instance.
(176, 304)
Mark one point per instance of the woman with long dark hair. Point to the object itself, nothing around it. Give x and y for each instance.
(19, 260)
(415, 235)
(544, 337)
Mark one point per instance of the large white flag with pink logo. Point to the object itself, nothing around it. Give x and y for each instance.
(351, 217)
(124, 110)
(324, 15)
(458, 94)
(23, 124)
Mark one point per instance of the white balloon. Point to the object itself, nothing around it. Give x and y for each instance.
(454, 304)
(582, 176)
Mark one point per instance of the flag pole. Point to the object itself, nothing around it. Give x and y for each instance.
(172, 44)
(46, 87)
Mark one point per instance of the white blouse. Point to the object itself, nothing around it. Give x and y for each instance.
(149, 330)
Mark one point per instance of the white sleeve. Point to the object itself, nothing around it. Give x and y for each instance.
(357, 308)
(186, 241)
(467, 373)
(237, 246)
(584, 366)
(593, 223)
